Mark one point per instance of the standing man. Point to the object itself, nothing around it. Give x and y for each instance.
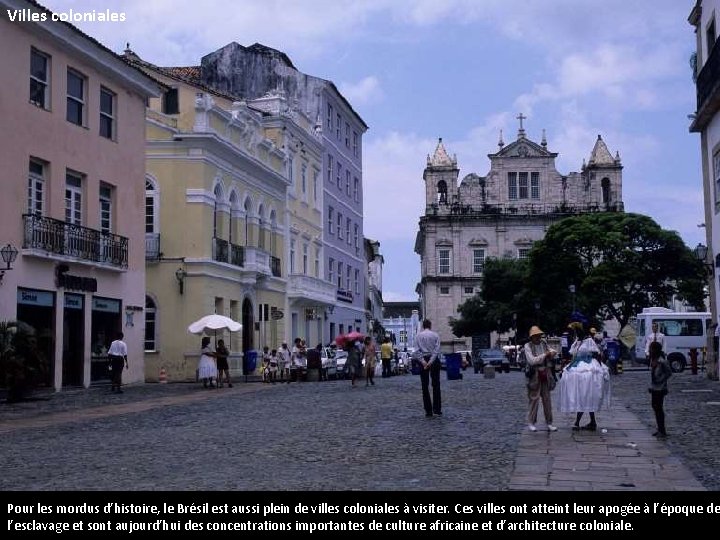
(284, 362)
(655, 336)
(118, 359)
(428, 343)
(386, 354)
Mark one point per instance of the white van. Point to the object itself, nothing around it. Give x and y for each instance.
(684, 330)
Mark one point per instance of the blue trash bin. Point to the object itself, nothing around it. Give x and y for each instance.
(612, 351)
(249, 362)
(453, 362)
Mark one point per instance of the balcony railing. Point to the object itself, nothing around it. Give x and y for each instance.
(520, 209)
(67, 239)
(707, 79)
(152, 246)
(275, 266)
(224, 251)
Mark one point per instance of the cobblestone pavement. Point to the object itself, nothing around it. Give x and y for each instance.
(312, 436)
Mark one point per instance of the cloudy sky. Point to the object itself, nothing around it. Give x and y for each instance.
(416, 70)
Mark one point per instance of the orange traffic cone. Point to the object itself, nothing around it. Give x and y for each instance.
(163, 375)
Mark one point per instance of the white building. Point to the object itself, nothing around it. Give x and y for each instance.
(706, 122)
(499, 215)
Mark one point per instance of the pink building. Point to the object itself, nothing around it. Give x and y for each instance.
(73, 178)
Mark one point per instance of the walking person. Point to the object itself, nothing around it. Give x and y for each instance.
(117, 353)
(660, 372)
(541, 380)
(427, 342)
(370, 361)
(354, 360)
(284, 362)
(266, 364)
(386, 354)
(221, 358)
(273, 365)
(585, 381)
(207, 368)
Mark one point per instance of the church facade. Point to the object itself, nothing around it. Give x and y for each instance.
(499, 215)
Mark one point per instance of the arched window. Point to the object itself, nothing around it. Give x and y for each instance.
(247, 207)
(216, 212)
(261, 227)
(273, 225)
(152, 230)
(605, 187)
(442, 192)
(150, 325)
(234, 207)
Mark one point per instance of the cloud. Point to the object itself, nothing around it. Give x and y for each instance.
(365, 91)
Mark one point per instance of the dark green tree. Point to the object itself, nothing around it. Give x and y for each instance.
(619, 263)
(503, 294)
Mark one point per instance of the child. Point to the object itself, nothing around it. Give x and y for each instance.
(266, 364)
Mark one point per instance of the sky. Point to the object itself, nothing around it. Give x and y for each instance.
(417, 70)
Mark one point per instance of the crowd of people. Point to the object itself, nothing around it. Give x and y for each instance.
(579, 372)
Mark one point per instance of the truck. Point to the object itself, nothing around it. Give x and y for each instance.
(684, 330)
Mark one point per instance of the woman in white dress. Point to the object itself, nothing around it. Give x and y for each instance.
(207, 369)
(585, 382)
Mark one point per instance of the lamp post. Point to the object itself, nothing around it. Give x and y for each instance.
(8, 254)
(537, 311)
(180, 275)
(701, 254)
(571, 288)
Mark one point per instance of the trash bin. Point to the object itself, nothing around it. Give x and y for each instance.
(249, 362)
(489, 372)
(453, 362)
(416, 367)
(612, 350)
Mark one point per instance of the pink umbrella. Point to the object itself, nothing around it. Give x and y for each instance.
(340, 340)
(355, 335)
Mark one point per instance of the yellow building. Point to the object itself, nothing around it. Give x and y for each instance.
(216, 192)
(234, 223)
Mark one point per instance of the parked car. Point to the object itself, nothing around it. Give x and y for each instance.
(329, 363)
(341, 365)
(491, 357)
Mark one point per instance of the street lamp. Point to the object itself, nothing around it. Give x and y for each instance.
(701, 254)
(571, 288)
(8, 254)
(537, 311)
(180, 275)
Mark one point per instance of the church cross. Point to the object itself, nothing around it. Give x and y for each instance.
(521, 117)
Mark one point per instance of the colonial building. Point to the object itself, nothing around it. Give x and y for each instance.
(402, 323)
(499, 215)
(73, 158)
(374, 301)
(250, 73)
(234, 222)
(706, 122)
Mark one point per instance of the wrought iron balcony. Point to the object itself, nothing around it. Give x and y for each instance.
(224, 251)
(69, 240)
(275, 266)
(708, 90)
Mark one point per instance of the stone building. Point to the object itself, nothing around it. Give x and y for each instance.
(499, 215)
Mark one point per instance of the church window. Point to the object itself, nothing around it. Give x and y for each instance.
(523, 185)
(444, 261)
(329, 118)
(331, 270)
(512, 186)
(478, 261)
(534, 185)
(442, 192)
(469, 290)
(444, 290)
(339, 225)
(337, 126)
(331, 220)
(330, 168)
(605, 190)
(523, 253)
(339, 275)
(338, 178)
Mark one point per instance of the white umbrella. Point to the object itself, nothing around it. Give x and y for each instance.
(210, 324)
